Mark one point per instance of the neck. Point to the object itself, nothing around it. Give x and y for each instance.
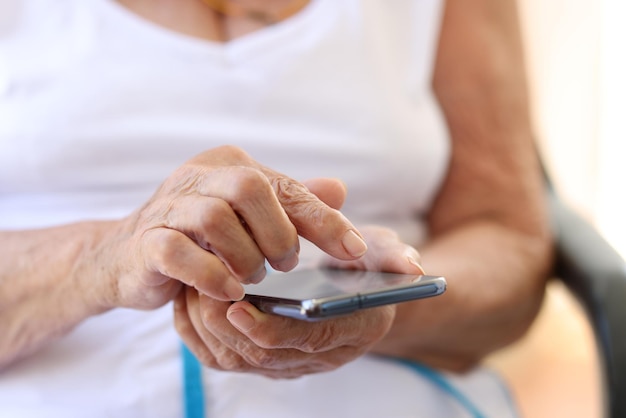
(266, 13)
(197, 19)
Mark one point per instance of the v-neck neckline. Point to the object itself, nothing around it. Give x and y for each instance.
(248, 45)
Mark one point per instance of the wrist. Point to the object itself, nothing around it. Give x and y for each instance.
(95, 273)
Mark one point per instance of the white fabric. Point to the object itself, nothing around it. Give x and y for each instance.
(94, 100)
(97, 107)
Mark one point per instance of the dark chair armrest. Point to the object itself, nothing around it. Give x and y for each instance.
(596, 274)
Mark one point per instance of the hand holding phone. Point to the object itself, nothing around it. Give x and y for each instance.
(314, 294)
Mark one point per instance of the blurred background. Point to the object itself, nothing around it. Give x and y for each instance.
(576, 57)
(576, 64)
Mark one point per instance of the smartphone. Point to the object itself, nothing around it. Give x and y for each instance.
(314, 294)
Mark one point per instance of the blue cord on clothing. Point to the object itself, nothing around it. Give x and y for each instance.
(193, 392)
(442, 383)
(193, 395)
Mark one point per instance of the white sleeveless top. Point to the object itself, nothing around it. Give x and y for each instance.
(98, 106)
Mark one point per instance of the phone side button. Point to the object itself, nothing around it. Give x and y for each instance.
(372, 300)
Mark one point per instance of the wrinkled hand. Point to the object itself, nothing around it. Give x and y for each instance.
(238, 337)
(211, 226)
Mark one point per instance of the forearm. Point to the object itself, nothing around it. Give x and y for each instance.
(488, 225)
(495, 285)
(48, 285)
(206, 227)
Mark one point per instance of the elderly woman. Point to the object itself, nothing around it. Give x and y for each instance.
(155, 155)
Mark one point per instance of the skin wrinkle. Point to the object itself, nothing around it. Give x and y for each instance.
(247, 193)
(184, 325)
(114, 287)
(297, 200)
(267, 352)
(245, 187)
(292, 359)
(206, 350)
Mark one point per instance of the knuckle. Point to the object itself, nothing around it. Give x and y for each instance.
(322, 340)
(207, 316)
(253, 272)
(234, 152)
(263, 358)
(214, 215)
(232, 362)
(221, 155)
(259, 355)
(249, 183)
(166, 245)
(206, 358)
(269, 340)
(290, 191)
(304, 208)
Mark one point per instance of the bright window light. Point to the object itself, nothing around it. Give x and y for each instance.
(611, 192)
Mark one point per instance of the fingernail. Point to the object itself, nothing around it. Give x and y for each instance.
(241, 320)
(414, 262)
(234, 290)
(353, 244)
